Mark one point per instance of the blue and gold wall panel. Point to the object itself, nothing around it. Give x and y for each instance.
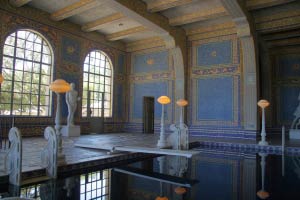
(217, 101)
(150, 89)
(150, 76)
(215, 82)
(121, 64)
(150, 62)
(70, 50)
(215, 52)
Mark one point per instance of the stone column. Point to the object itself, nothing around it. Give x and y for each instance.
(178, 65)
(249, 83)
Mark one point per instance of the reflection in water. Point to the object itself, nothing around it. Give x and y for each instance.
(296, 162)
(32, 191)
(263, 194)
(95, 185)
(210, 175)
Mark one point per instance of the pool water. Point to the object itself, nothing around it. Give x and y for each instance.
(210, 175)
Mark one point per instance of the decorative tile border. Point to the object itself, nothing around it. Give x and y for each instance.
(152, 76)
(247, 148)
(214, 71)
(222, 132)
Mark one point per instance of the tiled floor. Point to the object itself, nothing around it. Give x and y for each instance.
(32, 147)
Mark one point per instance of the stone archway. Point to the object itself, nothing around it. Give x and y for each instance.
(178, 64)
(249, 63)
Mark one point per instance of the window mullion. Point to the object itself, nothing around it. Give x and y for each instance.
(40, 79)
(13, 76)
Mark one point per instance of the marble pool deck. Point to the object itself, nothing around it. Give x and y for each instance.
(81, 159)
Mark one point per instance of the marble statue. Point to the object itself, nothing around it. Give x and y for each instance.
(71, 99)
(297, 116)
(294, 132)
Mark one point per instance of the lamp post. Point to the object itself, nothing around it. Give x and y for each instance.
(181, 103)
(263, 194)
(59, 86)
(162, 142)
(263, 104)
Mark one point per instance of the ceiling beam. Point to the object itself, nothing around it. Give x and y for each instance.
(147, 43)
(74, 9)
(160, 5)
(99, 23)
(210, 28)
(258, 4)
(123, 34)
(19, 3)
(198, 16)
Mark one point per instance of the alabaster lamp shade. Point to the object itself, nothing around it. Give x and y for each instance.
(263, 194)
(1, 79)
(182, 102)
(164, 100)
(161, 198)
(180, 190)
(60, 86)
(263, 103)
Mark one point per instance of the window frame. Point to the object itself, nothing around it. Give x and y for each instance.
(107, 60)
(43, 43)
(99, 179)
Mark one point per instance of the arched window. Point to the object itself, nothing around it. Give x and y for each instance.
(27, 64)
(97, 83)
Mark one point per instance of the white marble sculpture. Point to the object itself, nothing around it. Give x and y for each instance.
(13, 161)
(50, 152)
(179, 139)
(295, 131)
(71, 100)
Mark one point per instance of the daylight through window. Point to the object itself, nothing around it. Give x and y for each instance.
(97, 85)
(27, 70)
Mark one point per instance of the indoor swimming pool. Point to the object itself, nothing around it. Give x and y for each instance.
(210, 175)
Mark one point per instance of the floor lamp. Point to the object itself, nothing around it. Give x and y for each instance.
(162, 142)
(59, 86)
(263, 104)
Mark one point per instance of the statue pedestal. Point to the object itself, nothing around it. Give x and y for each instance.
(294, 134)
(70, 131)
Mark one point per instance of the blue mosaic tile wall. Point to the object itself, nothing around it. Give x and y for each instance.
(214, 53)
(70, 50)
(150, 62)
(210, 92)
(153, 89)
(215, 94)
(120, 69)
(150, 76)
